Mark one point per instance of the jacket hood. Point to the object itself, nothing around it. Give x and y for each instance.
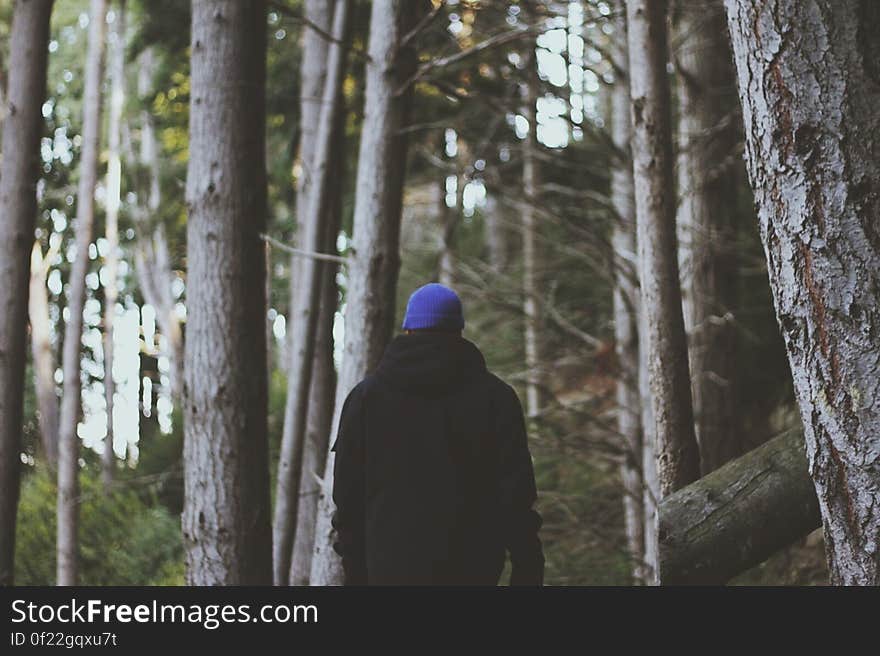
(430, 363)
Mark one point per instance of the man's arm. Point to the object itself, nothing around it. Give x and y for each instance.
(348, 490)
(518, 494)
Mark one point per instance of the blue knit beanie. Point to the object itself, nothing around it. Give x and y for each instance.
(433, 307)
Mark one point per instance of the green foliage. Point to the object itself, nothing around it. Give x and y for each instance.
(158, 477)
(123, 541)
(582, 535)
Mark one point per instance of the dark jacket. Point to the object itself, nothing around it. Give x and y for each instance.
(433, 476)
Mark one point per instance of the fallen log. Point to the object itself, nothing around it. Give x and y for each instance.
(739, 515)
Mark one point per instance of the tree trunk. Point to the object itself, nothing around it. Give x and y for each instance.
(531, 265)
(321, 399)
(809, 83)
(114, 196)
(372, 275)
(707, 175)
(313, 72)
(650, 481)
(739, 515)
(227, 535)
(22, 127)
(68, 440)
(4, 74)
(306, 303)
(43, 355)
(626, 318)
(153, 257)
(676, 448)
(495, 232)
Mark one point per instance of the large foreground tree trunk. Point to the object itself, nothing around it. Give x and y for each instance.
(626, 316)
(306, 304)
(372, 275)
(68, 440)
(809, 83)
(227, 535)
(43, 355)
(707, 178)
(739, 515)
(677, 456)
(18, 208)
(114, 198)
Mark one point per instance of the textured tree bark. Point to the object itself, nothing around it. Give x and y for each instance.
(114, 197)
(707, 174)
(531, 257)
(677, 455)
(739, 515)
(304, 315)
(226, 529)
(372, 275)
(153, 258)
(43, 355)
(626, 316)
(22, 127)
(809, 83)
(650, 481)
(3, 108)
(68, 440)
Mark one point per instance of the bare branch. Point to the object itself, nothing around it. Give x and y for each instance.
(422, 25)
(326, 257)
(491, 42)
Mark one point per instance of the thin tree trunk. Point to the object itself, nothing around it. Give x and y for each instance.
(322, 394)
(809, 83)
(531, 263)
(68, 440)
(4, 74)
(677, 455)
(153, 257)
(650, 480)
(226, 529)
(707, 179)
(155, 277)
(313, 71)
(43, 354)
(114, 196)
(22, 127)
(321, 399)
(305, 312)
(372, 275)
(626, 318)
(495, 233)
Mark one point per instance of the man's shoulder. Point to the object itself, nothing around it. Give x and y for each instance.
(359, 391)
(500, 390)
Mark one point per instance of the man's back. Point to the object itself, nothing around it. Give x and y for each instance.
(433, 479)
